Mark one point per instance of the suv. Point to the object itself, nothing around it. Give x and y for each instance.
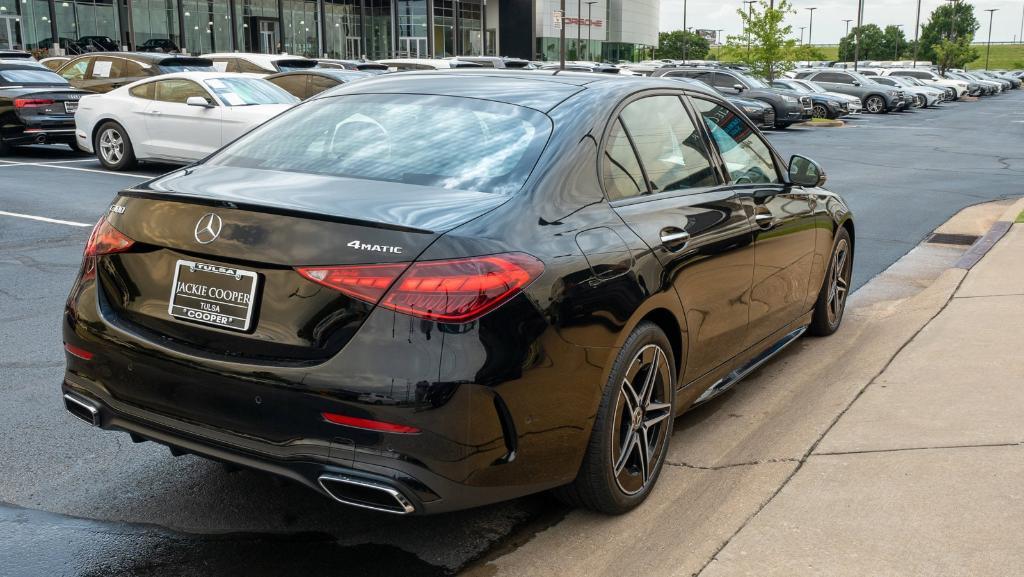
(877, 98)
(790, 106)
(929, 77)
(104, 71)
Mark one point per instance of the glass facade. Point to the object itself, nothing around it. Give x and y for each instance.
(347, 29)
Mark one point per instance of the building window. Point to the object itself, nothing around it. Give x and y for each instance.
(412, 29)
(344, 29)
(378, 29)
(300, 27)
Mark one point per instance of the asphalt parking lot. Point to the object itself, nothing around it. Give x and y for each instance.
(136, 510)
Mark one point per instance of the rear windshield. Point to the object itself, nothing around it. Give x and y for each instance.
(440, 141)
(186, 65)
(290, 65)
(41, 76)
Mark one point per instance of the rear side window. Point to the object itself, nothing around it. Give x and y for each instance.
(834, 77)
(440, 141)
(146, 91)
(318, 84)
(294, 84)
(623, 177)
(671, 149)
(748, 160)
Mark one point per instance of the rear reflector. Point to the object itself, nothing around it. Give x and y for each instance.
(78, 352)
(449, 291)
(368, 424)
(105, 239)
(31, 102)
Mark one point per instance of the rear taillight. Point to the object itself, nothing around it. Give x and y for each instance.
(449, 291)
(105, 239)
(31, 102)
(368, 424)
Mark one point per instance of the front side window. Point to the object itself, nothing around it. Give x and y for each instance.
(107, 68)
(669, 146)
(248, 91)
(179, 90)
(748, 160)
(439, 141)
(623, 177)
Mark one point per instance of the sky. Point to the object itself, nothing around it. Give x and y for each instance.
(828, 18)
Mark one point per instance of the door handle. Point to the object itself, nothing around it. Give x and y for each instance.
(674, 238)
(764, 220)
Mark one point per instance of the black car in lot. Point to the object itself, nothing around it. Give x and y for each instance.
(36, 107)
(790, 106)
(429, 291)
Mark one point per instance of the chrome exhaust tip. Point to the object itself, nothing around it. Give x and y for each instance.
(366, 494)
(82, 408)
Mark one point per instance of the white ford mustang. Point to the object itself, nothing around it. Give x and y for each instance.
(179, 118)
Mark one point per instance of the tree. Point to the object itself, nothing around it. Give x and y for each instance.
(872, 42)
(894, 43)
(772, 50)
(953, 53)
(670, 45)
(950, 22)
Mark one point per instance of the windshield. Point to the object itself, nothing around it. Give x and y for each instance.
(441, 141)
(751, 81)
(41, 76)
(248, 91)
(795, 86)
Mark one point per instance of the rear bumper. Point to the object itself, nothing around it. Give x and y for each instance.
(59, 133)
(309, 463)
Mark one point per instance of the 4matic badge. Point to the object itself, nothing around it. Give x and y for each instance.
(359, 245)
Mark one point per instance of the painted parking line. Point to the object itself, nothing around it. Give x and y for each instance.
(53, 165)
(45, 219)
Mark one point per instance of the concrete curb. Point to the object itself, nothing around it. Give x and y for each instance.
(984, 244)
(822, 124)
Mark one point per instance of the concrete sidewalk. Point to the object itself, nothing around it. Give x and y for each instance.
(922, 474)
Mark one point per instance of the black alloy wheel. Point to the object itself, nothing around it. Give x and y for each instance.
(820, 111)
(831, 304)
(634, 423)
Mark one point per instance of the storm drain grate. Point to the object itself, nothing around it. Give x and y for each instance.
(959, 239)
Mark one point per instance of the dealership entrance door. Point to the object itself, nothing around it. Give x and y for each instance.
(413, 47)
(10, 36)
(269, 38)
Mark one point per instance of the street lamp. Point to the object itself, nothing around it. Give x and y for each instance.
(856, 34)
(750, 16)
(590, 21)
(802, 28)
(988, 50)
(917, 33)
(810, 31)
(896, 56)
(847, 26)
(718, 38)
(685, 39)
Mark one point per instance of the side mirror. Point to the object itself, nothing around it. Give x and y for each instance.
(198, 101)
(739, 87)
(805, 172)
(856, 82)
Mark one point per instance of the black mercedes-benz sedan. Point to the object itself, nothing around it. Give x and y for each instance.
(430, 291)
(36, 107)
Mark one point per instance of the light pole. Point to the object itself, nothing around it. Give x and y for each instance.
(847, 26)
(896, 55)
(685, 38)
(917, 33)
(988, 49)
(810, 30)
(802, 28)
(590, 21)
(952, 20)
(750, 16)
(718, 38)
(561, 38)
(856, 34)
(1020, 36)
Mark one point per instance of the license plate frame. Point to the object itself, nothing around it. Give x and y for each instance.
(210, 294)
(70, 106)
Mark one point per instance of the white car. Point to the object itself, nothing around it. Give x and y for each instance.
(924, 96)
(856, 106)
(404, 64)
(929, 77)
(178, 118)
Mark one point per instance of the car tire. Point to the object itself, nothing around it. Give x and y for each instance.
(782, 125)
(113, 147)
(875, 105)
(820, 111)
(831, 303)
(635, 416)
(5, 148)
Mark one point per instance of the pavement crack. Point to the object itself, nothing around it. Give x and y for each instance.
(686, 465)
(931, 448)
(810, 451)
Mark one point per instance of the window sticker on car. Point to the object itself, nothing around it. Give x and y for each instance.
(220, 66)
(101, 68)
(232, 98)
(214, 83)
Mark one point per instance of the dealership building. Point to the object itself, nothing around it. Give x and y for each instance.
(376, 29)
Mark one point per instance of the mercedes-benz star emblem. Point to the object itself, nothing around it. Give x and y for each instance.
(208, 228)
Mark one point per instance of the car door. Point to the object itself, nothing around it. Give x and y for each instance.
(104, 75)
(177, 130)
(665, 184)
(835, 82)
(784, 221)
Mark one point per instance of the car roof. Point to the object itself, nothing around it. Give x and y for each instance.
(538, 89)
(149, 57)
(267, 59)
(21, 65)
(338, 73)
